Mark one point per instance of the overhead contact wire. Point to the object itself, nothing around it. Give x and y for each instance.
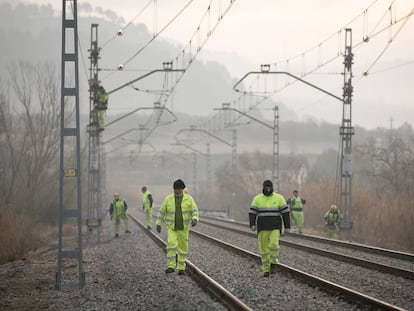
(128, 24)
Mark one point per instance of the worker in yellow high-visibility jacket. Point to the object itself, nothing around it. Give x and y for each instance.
(101, 106)
(333, 219)
(117, 211)
(265, 215)
(178, 211)
(147, 203)
(296, 204)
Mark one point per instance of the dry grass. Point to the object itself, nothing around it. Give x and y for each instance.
(380, 220)
(384, 221)
(19, 235)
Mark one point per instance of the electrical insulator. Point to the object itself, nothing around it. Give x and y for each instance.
(120, 32)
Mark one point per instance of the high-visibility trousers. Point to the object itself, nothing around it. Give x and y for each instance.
(269, 248)
(298, 220)
(117, 221)
(177, 242)
(148, 216)
(101, 118)
(331, 233)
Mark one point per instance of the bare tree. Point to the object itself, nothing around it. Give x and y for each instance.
(32, 135)
(391, 162)
(10, 151)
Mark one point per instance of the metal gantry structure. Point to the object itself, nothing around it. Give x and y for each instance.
(346, 132)
(70, 209)
(275, 128)
(95, 155)
(195, 167)
(233, 145)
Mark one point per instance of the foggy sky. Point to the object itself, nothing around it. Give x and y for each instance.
(269, 31)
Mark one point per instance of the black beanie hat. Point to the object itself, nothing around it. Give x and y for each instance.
(267, 183)
(178, 184)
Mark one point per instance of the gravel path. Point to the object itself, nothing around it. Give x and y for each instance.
(127, 273)
(121, 274)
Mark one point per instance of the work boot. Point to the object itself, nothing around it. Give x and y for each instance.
(116, 235)
(266, 274)
(127, 231)
(181, 272)
(169, 270)
(272, 268)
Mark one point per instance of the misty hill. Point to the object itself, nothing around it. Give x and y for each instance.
(33, 33)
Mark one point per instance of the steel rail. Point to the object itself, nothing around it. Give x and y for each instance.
(408, 274)
(357, 246)
(351, 245)
(206, 283)
(330, 287)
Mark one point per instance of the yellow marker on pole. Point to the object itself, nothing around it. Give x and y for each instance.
(70, 172)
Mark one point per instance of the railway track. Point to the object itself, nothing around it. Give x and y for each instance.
(384, 285)
(378, 259)
(248, 281)
(241, 275)
(206, 283)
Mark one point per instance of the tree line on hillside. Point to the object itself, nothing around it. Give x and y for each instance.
(383, 174)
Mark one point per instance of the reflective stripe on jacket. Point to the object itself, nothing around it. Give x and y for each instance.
(268, 212)
(167, 211)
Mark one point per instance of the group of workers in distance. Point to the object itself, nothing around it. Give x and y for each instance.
(332, 217)
(269, 212)
(178, 212)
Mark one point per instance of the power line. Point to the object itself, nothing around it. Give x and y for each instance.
(263, 96)
(158, 33)
(128, 24)
(405, 20)
(186, 57)
(153, 38)
(392, 67)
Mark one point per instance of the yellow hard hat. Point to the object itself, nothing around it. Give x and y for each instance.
(333, 207)
(116, 195)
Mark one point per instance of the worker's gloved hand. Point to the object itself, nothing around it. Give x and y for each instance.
(253, 228)
(193, 222)
(158, 228)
